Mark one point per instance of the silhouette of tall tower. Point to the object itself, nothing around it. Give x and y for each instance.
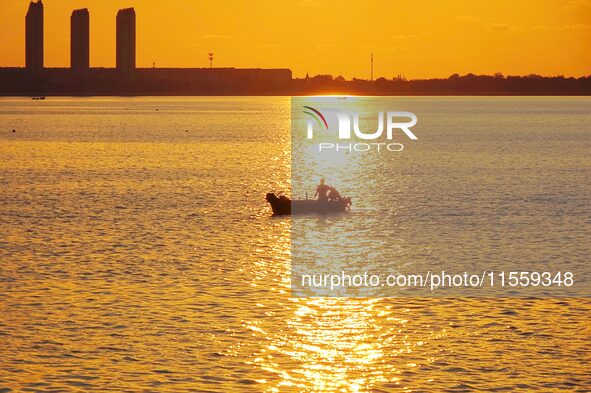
(126, 40)
(34, 36)
(79, 40)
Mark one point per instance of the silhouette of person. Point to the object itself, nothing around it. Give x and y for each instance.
(334, 195)
(322, 191)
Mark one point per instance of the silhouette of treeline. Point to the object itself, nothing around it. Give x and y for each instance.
(469, 84)
(234, 81)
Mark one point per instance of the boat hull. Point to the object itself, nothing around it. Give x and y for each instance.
(282, 205)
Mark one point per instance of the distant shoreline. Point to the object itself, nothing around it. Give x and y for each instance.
(269, 82)
(337, 94)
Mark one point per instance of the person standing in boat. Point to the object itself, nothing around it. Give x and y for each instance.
(322, 191)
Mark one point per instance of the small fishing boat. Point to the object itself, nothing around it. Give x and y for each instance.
(282, 205)
(38, 98)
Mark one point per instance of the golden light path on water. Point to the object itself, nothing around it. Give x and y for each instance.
(338, 344)
(410, 344)
(328, 344)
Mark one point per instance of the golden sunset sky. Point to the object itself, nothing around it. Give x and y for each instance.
(419, 39)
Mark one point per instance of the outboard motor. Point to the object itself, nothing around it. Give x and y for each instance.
(348, 203)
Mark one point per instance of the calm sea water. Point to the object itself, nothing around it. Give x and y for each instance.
(137, 253)
(498, 184)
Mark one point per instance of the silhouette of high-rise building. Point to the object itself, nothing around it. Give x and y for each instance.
(79, 40)
(126, 40)
(34, 36)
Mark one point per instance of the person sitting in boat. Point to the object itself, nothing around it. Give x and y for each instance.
(334, 195)
(322, 191)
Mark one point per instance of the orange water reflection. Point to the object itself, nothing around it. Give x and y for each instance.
(327, 344)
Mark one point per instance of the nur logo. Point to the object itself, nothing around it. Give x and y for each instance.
(344, 123)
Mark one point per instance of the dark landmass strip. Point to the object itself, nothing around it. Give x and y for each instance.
(255, 81)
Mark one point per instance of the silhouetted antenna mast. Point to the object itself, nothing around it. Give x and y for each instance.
(371, 67)
(210, 56)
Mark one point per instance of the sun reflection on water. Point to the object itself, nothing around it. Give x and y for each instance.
(326, 344)
(338, 345)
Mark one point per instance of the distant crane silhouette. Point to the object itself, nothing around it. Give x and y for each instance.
(210, 56)
(371, 78)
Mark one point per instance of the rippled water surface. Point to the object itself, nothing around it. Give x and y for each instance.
(138, 254)
(491, 183)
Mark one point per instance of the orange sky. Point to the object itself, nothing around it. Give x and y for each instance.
(415, 38)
